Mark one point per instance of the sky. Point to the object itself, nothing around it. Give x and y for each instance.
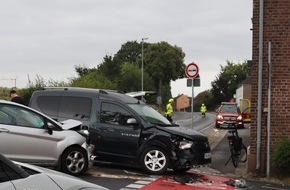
(49, 38)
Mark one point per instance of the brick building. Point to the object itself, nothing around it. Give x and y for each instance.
(182, 102)
(271, 31)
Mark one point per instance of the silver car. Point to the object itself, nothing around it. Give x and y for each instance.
(20, 176)
(29, 136)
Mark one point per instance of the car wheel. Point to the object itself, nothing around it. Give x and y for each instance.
(74, 161)
(154, 160)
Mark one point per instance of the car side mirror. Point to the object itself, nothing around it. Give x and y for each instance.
(132, 121)
(50, 126)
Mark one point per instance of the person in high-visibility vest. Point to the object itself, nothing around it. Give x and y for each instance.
(203, 109)
(169, 109)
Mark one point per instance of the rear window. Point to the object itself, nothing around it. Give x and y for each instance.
(227, 108)
(78, 108)
(49, 105)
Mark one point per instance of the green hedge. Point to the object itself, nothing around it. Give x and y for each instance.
(281, 155)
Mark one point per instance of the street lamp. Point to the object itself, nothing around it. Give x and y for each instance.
(142, 43)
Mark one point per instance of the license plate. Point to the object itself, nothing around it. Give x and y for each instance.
(207, 155)
(225, 125)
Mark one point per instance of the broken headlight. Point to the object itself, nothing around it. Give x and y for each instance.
(185, 144)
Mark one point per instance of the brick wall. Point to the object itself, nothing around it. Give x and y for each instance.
(182, 102)
(277, 31)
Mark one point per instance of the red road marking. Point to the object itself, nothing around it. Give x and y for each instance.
(190, 180)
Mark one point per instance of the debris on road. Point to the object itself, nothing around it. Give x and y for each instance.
(194, 180)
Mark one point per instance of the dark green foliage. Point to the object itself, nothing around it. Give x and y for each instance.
(110, 68)
(205, 97)
(130, 79)
(281, 155)
(228, 80)
(4, 93)
(38, 83)
(166, 89)
(83, 70)
(94, 80)
(164, 63)
(130, 52)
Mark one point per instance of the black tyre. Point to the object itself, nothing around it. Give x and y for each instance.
(235, 156)
(154, 160)
(74, 161)
(243, 154)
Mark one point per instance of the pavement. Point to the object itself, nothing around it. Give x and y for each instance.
(218, 142)
(219, 147)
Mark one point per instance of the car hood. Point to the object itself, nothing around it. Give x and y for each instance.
(184, 131)
(229, 114)
(70, 124)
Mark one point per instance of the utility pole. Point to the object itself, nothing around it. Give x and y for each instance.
(142, 67)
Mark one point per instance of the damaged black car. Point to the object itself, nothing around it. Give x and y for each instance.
(130, 132)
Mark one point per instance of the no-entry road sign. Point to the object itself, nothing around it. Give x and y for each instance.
(191, 70)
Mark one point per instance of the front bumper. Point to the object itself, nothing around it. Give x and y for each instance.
(198, 155)
(230, 124)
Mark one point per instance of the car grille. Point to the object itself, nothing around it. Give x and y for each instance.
(200, 147)
(230, 118)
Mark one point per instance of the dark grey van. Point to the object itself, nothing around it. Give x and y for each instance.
(124, 130)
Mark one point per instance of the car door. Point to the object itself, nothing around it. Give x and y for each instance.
(112, 134)
(24, 135)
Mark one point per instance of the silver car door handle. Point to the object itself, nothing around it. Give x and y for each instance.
(3, 130)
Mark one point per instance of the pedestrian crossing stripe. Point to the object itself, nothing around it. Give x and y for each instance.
(139, 184)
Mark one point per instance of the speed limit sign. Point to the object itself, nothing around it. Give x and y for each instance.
(191, 70)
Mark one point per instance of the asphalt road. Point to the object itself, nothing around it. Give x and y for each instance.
(123, 178)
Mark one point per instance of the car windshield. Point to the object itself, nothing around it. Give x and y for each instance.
(229, 109)
(149, 114)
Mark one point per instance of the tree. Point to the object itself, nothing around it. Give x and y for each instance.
(94, 79)
(130, 79)
(205, 97)
(130, 52)
(109, 68)
(228, 80)
(164, 63)
(83, 70)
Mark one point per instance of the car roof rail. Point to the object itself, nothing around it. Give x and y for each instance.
(229, 103)
(49, 88)
(105, 91)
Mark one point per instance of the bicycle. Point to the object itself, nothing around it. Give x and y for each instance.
(237, 147)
